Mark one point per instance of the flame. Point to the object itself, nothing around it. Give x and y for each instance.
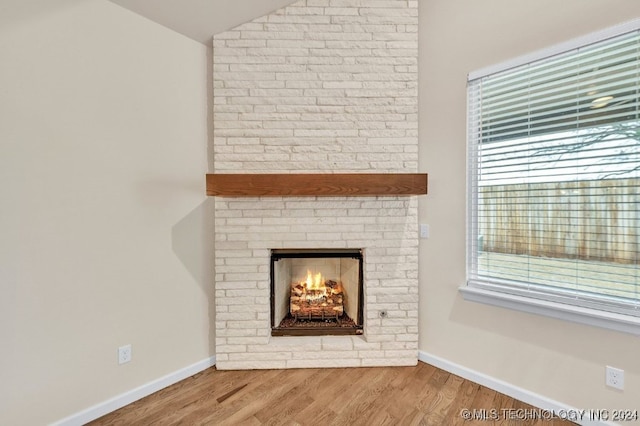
(315, 282)
(315, 289)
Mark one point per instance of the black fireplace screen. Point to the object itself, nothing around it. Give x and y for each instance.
(316, 292)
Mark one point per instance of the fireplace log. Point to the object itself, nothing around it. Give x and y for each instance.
(315, 306)
(315, 311)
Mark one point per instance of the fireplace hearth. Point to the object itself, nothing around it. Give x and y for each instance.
(316, 292)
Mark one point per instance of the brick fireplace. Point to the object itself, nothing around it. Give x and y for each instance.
(321, 86)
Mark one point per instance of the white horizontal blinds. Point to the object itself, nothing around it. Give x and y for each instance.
(555, 176)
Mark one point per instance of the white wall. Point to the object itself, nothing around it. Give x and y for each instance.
(556, 359)
(103, 151)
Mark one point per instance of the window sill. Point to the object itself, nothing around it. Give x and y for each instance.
(597, 318)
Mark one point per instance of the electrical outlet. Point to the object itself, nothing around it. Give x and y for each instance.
(424, 230)
(124, 354)
(614, 377)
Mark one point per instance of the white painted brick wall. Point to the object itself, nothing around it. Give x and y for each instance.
(319, 86)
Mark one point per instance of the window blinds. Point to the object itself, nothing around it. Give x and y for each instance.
(554, 156)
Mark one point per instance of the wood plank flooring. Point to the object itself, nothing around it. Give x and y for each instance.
(421, 395)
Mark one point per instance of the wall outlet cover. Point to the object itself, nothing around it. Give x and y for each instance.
(614, 377)
(124, 354)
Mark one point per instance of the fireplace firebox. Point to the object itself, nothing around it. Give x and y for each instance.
(316, 292)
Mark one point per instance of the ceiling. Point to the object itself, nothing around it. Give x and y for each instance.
(201, 19)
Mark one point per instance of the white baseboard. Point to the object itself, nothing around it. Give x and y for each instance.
(133, 395)
(508, 389)
(503, 387)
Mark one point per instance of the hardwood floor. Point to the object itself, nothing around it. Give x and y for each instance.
(421, 395)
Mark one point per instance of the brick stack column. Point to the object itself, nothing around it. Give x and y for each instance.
(321, 86)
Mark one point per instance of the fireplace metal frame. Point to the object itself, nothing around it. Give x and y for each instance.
(278, 254)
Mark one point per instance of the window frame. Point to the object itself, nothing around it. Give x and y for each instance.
(547, 303)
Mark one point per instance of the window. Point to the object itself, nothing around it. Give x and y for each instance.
(554, 182)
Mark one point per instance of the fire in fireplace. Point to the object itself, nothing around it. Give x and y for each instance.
(316, 292)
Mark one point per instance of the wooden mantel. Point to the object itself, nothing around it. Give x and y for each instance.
(327, 185)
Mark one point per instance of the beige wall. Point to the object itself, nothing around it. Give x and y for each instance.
(103, 151)
(559, 360)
